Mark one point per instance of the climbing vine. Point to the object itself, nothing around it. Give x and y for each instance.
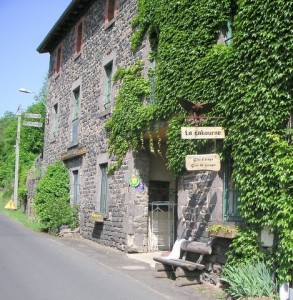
(250, 82)
(130, 115)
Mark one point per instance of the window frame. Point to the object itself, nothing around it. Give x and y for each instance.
(229, 32)
(58, 60)
(55, 120)
(108, 80)
(111, 11)
(103, 111)
(74, 125)
(103, 188)
(75, 187)
(153, 80)
(79, 36)
(230, 195)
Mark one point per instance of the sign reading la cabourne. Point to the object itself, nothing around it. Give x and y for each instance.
(203, 162)
(202, 133)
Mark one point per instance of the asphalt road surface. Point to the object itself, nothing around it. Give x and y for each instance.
(35, 266)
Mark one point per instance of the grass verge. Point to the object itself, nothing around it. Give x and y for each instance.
(18, 215)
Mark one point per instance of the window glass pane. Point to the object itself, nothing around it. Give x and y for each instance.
(104, 188)
(79, 38)
(153, 82)
(108, 84)
(58, 60)
(230, 204)
(111, 10)
(229, 32)
(55, 119)
(75, 109)
(75, 187)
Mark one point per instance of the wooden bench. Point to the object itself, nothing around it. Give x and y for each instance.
(182, 261)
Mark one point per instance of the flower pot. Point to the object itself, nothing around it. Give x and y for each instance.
(224, 233)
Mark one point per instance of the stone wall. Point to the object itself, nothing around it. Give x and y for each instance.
(32, 180)
(199, 204)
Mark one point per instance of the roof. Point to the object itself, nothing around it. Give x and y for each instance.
(69, 17)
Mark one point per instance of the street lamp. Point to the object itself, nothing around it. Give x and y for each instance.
(24, 90)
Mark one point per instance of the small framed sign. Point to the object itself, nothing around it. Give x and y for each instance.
(203, 162)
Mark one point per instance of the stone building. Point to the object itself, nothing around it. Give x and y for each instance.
(141, 207)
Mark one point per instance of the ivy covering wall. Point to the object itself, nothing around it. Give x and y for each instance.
(250, 82)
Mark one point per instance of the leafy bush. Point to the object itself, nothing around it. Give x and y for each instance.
(251, 279)
(51, 201)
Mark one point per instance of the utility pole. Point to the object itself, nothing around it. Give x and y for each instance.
(15, 194)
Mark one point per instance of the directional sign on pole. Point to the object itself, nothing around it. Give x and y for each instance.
(32, 124)
(203, 162)
(33, 116)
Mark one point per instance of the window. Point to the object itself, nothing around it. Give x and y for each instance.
(55, 120)
(289, 130)
(229, 36)
(230, 197)
(79, 36)
(111, 10)
(104, 187)
(153, 82)
(58, 60)
(75, 109)
(108, 84)
(75, 187)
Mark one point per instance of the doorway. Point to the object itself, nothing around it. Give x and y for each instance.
(162, 209)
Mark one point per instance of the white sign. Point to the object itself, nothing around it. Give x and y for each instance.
(203, 162)
(202, 133)
(33, 116)
(32, 124)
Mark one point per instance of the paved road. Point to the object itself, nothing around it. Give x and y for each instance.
(36, 266)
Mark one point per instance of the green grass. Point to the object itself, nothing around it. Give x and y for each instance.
(214, 291)
(18, 215)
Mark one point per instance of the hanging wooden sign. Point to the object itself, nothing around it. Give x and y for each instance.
(201, 133)
(203, 162)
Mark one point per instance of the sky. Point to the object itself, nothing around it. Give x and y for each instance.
(24, 24)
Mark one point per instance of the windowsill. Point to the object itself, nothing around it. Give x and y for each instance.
(72, 145)
(77, 55)
(105, 112)
(56, 75)
(110, 23)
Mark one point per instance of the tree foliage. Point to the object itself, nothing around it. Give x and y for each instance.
(52, 198)
(30, 146)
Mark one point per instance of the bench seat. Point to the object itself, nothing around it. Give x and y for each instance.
(182, 263)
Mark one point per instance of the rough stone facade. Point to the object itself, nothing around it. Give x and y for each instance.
(126, 222)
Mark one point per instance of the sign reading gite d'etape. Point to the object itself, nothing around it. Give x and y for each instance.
(203, 162)
(32, 124)
(202, 133)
